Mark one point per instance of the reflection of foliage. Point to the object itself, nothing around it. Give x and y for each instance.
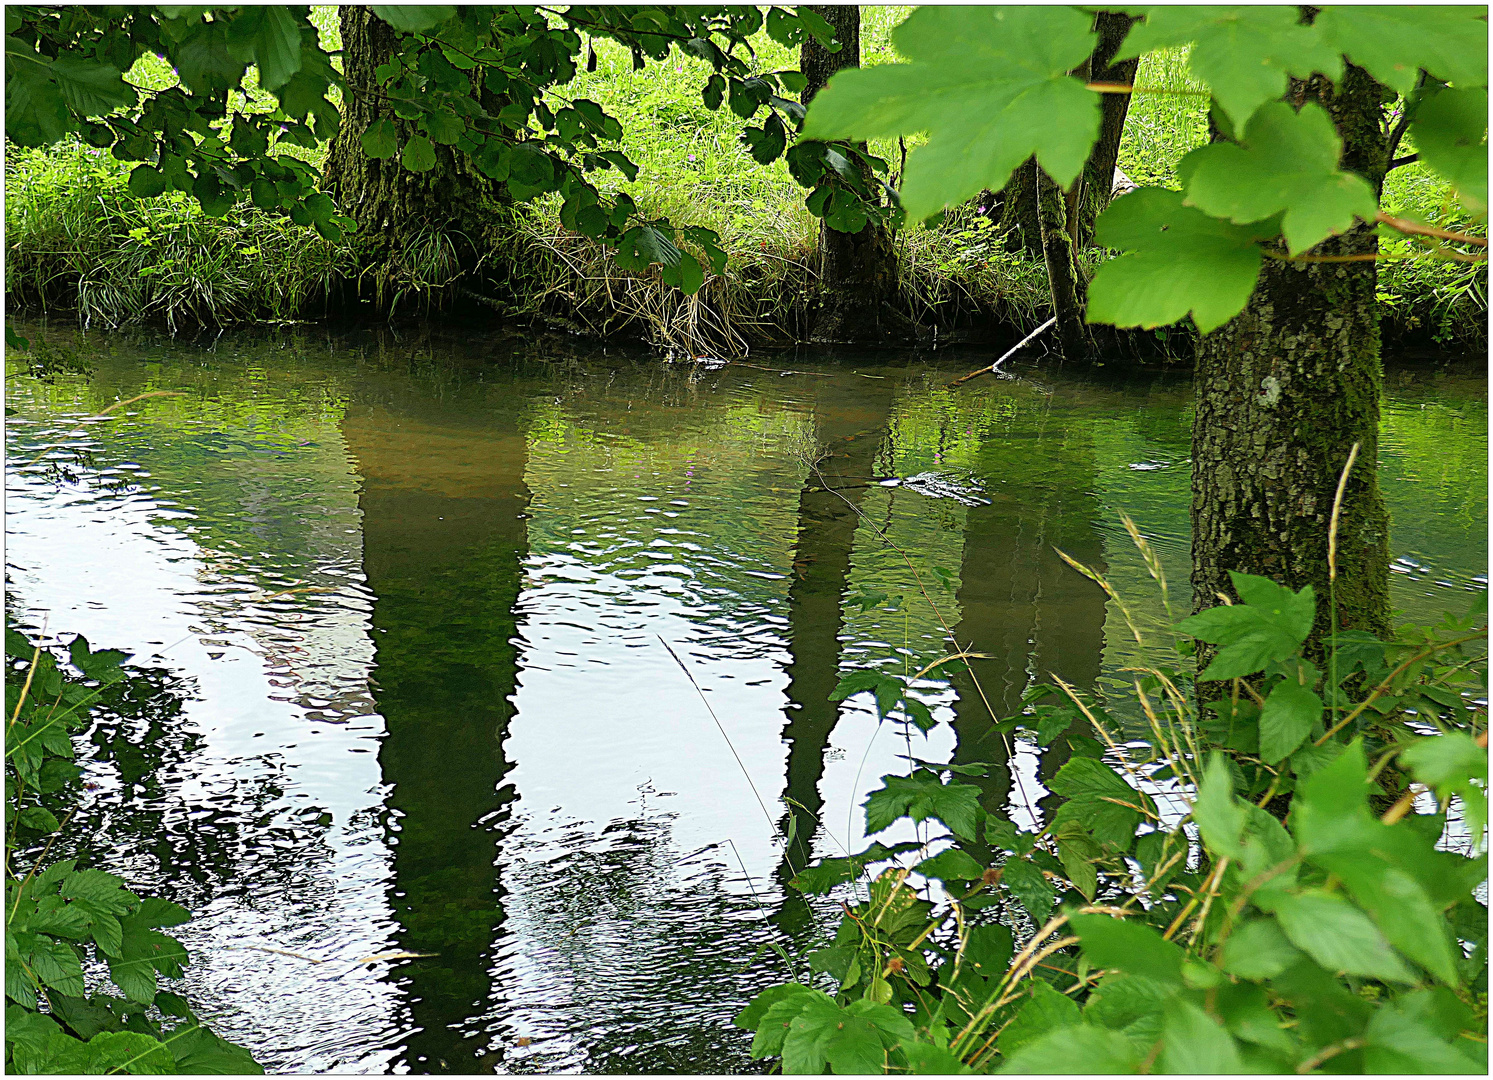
(55, 904)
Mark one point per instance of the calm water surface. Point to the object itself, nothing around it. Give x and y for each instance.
(402, 608)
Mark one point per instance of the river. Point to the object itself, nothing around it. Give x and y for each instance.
(462, 643)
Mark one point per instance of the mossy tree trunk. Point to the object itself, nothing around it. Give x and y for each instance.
(1283, 392)
(420, 231)
(857, 271)
(1064, 276)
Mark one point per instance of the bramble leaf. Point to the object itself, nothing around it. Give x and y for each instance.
(1128, 946)
(1289, 713)
(1338, 935)
(921, 796)
(1045, 1010)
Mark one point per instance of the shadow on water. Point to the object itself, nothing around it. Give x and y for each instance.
(444, 541)
(849, 431)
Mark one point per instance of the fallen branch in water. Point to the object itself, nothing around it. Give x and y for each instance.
(1006, 356)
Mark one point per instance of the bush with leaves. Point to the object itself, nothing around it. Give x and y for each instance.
(59, 915)
(1273, 887)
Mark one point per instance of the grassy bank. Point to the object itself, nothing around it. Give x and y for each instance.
(77, 238)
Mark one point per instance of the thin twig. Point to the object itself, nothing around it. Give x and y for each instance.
(1005, 356)
(770, 823)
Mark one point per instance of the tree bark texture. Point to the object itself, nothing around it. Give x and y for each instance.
(857, 271)
(1098, 180)
(1064, 278)
(420, 230)
(1283, 391)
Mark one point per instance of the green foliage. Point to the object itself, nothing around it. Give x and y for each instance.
(992, 86)
(64, 76)
(57, 915)
(1339, 936)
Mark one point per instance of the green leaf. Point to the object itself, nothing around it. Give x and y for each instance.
(1100, 801)
(379, 140)
(444, 126)
(1338, 935)
(1078, 1050)
(1219, 816)
(750, 1017)
(43, 820)
(990, 86)
(644, 245)
(1196, 1043)
(1034, 891)
(824, 875)
(418, 155)
(988, 949)
(200, 1052)
(1045, 1010)
(91, 88)
(1289, 714)
(853, 1040)
(1404, 1036)
(1178, 262)
(414, 18)
(35, 112)
(1129, 946)
(277, 47)
(921, 796)
(1451, 133)
(951, 864)
(144, 952)
(1258, 949)
(926, 1059)
(1403, 912)
(146, 181)
(888, 689)
(1453, 764)
(1246, 55)
(1270, 625)
(1393, 42)
(1288, 164)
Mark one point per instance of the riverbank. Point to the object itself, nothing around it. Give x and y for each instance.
(77, 239)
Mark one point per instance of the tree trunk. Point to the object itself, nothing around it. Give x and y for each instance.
(1284, 390)
(857, 271)
(420, 231)
(1099, 171)
(1063, 275)
(1019, 211)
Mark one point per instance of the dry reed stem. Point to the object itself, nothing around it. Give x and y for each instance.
(1337, 506)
